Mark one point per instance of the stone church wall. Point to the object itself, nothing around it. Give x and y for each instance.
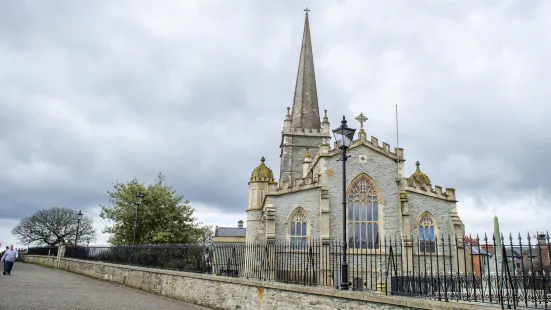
(255, 227)
(440, 210)
(381, 169)
(294, 154)
(309, 200)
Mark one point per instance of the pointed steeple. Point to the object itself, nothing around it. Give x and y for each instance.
(305, 105)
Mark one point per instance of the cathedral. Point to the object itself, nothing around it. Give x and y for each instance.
(306, 202)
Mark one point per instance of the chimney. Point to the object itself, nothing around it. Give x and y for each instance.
(216, 231)
(541, 239)
(240, 224)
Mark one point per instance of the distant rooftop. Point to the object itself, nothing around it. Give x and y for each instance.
(238, 231)
(230, 232)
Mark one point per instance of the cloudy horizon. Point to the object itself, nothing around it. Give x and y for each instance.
(93, 93)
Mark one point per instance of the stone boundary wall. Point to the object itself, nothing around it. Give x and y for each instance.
(228, 293)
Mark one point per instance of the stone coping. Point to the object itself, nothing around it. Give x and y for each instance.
(365, 296)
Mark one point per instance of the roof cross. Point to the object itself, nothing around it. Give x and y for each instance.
(362, 119)
(306, 10)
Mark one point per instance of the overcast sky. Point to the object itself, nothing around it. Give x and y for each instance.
(93, 92)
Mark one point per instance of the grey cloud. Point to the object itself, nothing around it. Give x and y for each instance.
(105, 92)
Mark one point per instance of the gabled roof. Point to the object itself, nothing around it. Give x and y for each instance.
(371, 145)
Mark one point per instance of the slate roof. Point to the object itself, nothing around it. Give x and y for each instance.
(518, 252)
(477, 251)
(230, 232)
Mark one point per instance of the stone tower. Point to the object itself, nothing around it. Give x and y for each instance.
(261, 182)
(302, 127)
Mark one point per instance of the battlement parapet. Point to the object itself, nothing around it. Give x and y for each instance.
(448, 194)
(299, 185)
(261, 179)
(374, 143)
(314, 132)
(399, 152)
(386, 147)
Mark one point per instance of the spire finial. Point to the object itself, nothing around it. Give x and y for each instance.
(325, 118)
(288, 111)
(262, 159)
(306, 10)
(417, 164)
(307, 155)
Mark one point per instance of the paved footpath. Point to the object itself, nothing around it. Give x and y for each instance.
(31, 287)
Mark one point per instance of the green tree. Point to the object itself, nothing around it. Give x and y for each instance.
(164, 215)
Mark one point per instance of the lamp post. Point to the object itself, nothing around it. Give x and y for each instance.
(139, 199)
(344, 136)
(79, 217)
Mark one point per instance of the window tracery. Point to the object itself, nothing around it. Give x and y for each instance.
(363, 215)
(427, 233)
(299, 228)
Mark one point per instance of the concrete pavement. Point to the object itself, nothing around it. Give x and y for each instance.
(32, 287)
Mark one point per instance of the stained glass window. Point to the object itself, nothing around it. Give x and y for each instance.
(426, 234)
(299, 229)
(363, 215)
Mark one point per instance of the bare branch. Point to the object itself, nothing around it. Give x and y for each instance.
(54, 226)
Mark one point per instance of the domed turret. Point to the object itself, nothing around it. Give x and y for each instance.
(259, 187)
(418, 178)
(262, 173)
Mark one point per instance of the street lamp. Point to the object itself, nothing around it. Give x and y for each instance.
(79, 218)
(139, 199)
(344, 136)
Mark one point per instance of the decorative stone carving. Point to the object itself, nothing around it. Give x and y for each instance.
(419, 179)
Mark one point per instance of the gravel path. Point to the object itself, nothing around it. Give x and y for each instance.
(32, 287)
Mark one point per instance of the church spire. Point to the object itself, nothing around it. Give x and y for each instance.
(305, 105)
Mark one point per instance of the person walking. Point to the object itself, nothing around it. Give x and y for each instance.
(9, 257)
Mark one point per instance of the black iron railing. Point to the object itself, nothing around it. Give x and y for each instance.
(504, 271)
(47, 250)
(508, 271)
(312, 263)
(191, 258)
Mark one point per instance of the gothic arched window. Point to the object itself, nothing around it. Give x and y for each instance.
(427, 233)
(298, 230)
(363, 214)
